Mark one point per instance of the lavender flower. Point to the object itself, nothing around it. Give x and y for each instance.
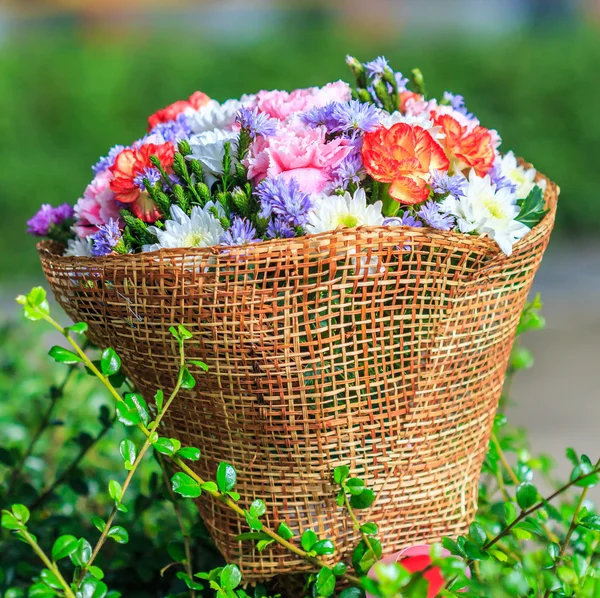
(46, 217)
(499, 179)
(443, 183)
(405, 219)
(401, 82)
(457, 102)
(241, 233)
(353, 116)
(174, 130)
(106, 239)
(317, 117)
(350, 170)
(255, 122)
(284, 199)
(151, 173)
(279, 229)
(107, 161)
(376, 68)
(430, 213)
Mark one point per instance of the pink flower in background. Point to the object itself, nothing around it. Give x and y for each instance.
(297, 152)
(97, 206)
(283, 104)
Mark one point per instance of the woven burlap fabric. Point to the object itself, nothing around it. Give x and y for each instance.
(382, 348)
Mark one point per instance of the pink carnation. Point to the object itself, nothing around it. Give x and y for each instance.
(97, 206)
(297, 152)
(282, 104)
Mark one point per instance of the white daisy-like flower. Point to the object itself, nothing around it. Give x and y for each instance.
(213, 116)
(208, 148)
(421, 120)
(331, 212)
(523, 179)
(200, 229)
(79, 247)
(487, 211)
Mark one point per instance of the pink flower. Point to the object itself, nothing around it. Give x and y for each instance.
(282, 104)
(297, 152)
(97, 206)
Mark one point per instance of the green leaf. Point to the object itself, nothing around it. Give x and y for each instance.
(83, 553)
(63, 547)
(254, 522)
(226, 477)
(352, 592)
(230, 577)
(477, 534)
(452, 547)
(199, 364)
(355, 486)
(62, 355)
(258, 508)
(474, 552)
(164, 446)
(50, 579)
(262, 544)
(189, 582)
(99, 523)
(35, 305)
(159, 398)
(510, 512)
(115, 491)
(370, 529)
(324, 547)
(285, 531)
(527, 495)
(176, 551)
(189, 452)
(308, 539)
(184, 333)
(136, 401)
(187, 380)
(127, 415)
(364, 500)
(210, 487)
(21, 512)
(92, 588)
(591, 521)
(128, 452)
(110, 362)
(533, 208)
(363, 558)
(339, 569)
(325, 582)
(118, 534)
(96, 572)
(183, 484)
(37, 590)
(77, 328)
(340, 474)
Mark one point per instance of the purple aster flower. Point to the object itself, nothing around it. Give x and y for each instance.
(106, 239)
(284, 199)
(241, 233)
(430, 213)
(443, 183)
(353, 116)
(279, 229)
(405, 219)
(376, 68)
(255, 122)
(499, 179)
(108, 160)
(317, 117)
(173, 130)
(350, 170)
(401, 82)
(46, 217)
(457, 102)
(151, 173)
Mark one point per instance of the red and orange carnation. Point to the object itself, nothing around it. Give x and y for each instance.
(172, 111)
(404, 156)
(467, 147)
(131, 164)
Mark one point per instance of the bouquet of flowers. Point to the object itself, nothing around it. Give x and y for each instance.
(350, 263)
(277, 165)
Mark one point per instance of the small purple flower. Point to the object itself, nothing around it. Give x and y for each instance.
(457, 102)
(241, 233)
(284, 199)
(376, 68)
(317, 117)
(353, 116)
(174, 130)
(443, 183)
(499, 179)
(430, 213)
(106, 239)
(401, 82)
(255, 122)
(350, 170)
(107, 161)
(151, 173)
(46, 217)
(279, 229)
(405, 219)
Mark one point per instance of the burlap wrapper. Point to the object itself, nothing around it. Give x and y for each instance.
(381, 348)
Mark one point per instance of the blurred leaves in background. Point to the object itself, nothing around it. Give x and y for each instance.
(64, 103)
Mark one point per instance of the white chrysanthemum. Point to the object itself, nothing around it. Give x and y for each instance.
(208, 148)
(200, 229)
(487, 211)
(331, 212)
(213, 116)
(421, 120)
(79, 247)
(523, 179)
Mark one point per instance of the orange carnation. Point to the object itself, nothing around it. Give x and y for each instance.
(467, 148)
(403, 155)
(172, 111)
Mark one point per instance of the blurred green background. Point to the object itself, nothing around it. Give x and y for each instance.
(78, 78)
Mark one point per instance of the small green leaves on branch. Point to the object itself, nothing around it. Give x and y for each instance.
(533, 208)
(35, 305)
(184, 485)
(110, 362)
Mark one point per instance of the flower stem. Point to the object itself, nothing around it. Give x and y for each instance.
(357, 526)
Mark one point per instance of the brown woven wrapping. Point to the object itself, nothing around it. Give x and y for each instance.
(381, 348)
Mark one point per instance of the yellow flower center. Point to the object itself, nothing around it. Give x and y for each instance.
(348, 220)
(195, 239)
(494, 207)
